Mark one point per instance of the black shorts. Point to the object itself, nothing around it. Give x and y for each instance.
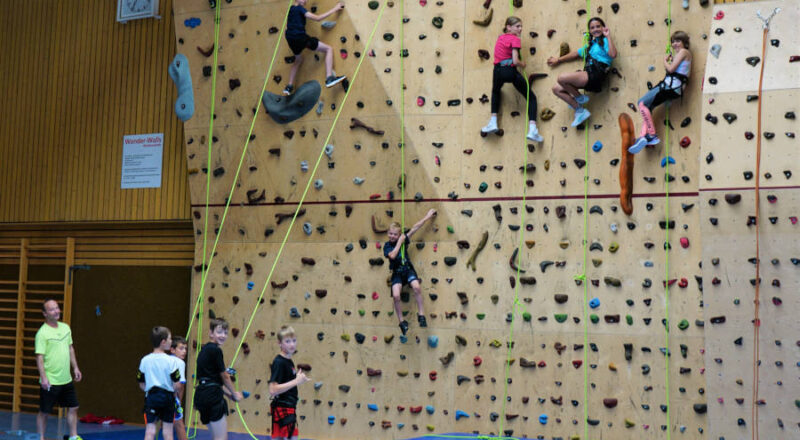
(297, 44)
(159, 404)
(211, 404)
(597, 77)
(61, 395)
(404, 275)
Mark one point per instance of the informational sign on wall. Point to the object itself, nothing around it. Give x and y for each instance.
(141, 160)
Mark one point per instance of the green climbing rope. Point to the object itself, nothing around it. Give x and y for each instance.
(667, 246)
(402, 133)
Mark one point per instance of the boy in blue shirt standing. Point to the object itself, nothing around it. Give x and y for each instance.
(298, 40)
(159, 374)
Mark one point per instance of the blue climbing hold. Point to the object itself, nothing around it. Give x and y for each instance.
(294, 313)
(648, 263)
(461, 414)
(250, 285)
(400, 425)
(594, 303)
(597, 146)
(245, 394)
(331, 420)
(433, 341)
(403, 339)
(192, 22)
(667, 159)
(430, 409)
(179, 72)
(543, 419)
(372, 407)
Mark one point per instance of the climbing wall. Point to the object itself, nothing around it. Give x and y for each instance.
(729, 224)
(575, 344)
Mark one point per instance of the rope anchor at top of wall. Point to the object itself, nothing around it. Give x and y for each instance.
(767, 19)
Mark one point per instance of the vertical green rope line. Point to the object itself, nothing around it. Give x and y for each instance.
(402, 134)
(666, 236)
(584, 242)
(238, 168)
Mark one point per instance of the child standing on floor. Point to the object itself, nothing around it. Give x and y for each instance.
(599, 55)
(396, 250)
(178, 350)
(214, 382)
(298, 40)
(158, 375)
(283, 382)
(678, 65)
(506, 60)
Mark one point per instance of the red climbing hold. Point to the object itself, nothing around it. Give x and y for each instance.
(420, 101)
(720, 15)
(375, 295)
(415, 409)
(432, 375)
(423, 2)
(401, 408)
(684, 242)
(683, 283)
(374, 196)
(577, 363)
(670, 282)
(541, 364)
(685, 141)
(477, 361)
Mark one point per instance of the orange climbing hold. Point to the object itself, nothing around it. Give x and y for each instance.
(626, 164)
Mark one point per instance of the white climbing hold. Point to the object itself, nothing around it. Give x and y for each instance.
(307, 295)
(307, 228)
(685, 4)
(329, 150)
(320, 105)
(614, 227)
(715, 50)
(304, 166)
(318, 184)
(358, 180)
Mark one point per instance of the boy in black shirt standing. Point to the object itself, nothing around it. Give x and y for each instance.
(283, 384)
(214, 382)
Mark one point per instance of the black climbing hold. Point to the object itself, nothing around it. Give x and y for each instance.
(753, 61)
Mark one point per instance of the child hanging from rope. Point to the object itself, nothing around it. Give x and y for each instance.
(298, 40)
(599, 54)
(396, 250)
(506, 60)
(678, 64)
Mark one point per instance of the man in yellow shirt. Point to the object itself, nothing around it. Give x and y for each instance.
(54, 356)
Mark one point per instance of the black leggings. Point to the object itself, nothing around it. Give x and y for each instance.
(509, 74)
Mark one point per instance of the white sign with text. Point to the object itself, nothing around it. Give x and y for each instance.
(141, 160)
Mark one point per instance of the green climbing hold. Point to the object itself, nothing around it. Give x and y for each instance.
(797, 403)
(613, 247)
(683, 325)
(495, 298)
(560, 317)
(362, 312)
(373, 5)
(594, 318)
(480, 316)
(526, 316)
(451, 230)
(611, 281)
(629, 423)
(345, 337)
(629, 319)
(483, 186)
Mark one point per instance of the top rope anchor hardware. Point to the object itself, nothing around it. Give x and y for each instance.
(768, 19)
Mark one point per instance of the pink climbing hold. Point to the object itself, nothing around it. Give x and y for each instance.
(437, 161)
(435, 247)
(374, 339)
(720, 400)
(377, 245)
(371, 53)
(375, 295)
(423, 2)
(720, 15)
(477, 361)
(793, 219)
(343, 54)
(684, 242)
(420, 101)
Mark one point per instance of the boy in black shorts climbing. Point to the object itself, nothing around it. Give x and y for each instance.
(214, 382)
(158, 375)
(298, 40)
(396, 250)
(283, 382)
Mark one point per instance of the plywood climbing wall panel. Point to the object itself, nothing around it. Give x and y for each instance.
(531, 356)
(75, 83)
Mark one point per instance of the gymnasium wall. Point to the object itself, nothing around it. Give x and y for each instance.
(503, 348)
(74, 83)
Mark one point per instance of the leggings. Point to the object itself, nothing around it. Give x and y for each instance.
(652, 99)
(506, 74)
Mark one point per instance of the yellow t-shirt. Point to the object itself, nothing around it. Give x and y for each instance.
(54, 344)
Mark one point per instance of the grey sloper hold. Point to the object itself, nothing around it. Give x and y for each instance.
(285, 109)
(179, 72)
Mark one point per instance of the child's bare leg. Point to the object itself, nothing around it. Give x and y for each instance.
(418, 295)
(328, 51)
(180, 428)
(396, 288)
(219, 429)
(567, 86)
(298, 60)
(150, 431)
(166, 431)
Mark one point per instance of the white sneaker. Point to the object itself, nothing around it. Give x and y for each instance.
(491, 127)
(581, 114)
(582, 99)
(533, 135)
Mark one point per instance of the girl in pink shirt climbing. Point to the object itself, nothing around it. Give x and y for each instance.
(506, 60)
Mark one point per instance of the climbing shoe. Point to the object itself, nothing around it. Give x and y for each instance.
(422, 321)
(333, 80)
(404, 327)
(288, 90)
(638, 145)
(582, 99)
(533, 135)
(652, 139)
(581, 114)
(491, 127)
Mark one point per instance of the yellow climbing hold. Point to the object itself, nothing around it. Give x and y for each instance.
(629, 423)
(612, 366)
(495, 343)
(613, 247)
(564, 244)
(402, 373)
(431, 428)
(596, 262)
(530, 243)
(345, 337)
(388, 338)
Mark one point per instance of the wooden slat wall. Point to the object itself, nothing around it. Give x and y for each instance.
(114, 244)
(74, 81)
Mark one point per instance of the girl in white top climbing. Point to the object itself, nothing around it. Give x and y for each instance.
(506, 60)
(678, 64)
(598, 54)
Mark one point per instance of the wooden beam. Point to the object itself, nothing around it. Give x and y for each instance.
(23, 281)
